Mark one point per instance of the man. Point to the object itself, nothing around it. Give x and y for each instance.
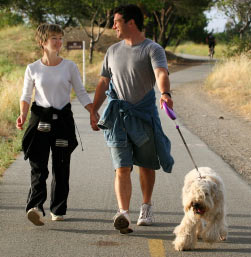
(130, 121)
(210, 39)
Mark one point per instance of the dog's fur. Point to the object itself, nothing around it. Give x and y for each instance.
(204, 207)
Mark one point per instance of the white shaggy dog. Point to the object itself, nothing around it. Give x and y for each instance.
(204, 207)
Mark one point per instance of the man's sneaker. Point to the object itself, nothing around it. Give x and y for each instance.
(57, 217)
(146, 215)
(122, 222)
(35, 216)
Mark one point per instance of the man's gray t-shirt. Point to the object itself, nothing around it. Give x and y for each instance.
(131, 68)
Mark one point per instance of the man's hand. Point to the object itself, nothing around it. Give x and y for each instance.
(99, 98)
(166, 98)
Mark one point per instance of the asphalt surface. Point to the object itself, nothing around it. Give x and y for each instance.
(88, 229)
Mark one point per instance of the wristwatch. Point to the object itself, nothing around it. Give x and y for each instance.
(167, 93)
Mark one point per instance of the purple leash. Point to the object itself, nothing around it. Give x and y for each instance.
(172, 116)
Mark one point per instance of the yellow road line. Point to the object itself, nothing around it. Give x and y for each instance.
(156, 248)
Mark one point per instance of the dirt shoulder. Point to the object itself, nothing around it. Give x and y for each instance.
(226, 133)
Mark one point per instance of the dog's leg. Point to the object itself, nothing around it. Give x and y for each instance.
(216, 229)
(200, 226)
(186, 232)
(223, 226)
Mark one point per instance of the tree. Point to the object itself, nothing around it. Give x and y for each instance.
(161, 16)
(66, 13)
(4, 3)
(239, 11)
(100, 13)
(93, 13)
(35, 10)
(8, 18)
(189, 28)
(166, 13)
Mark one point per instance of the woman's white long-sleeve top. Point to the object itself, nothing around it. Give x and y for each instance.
(53, 84)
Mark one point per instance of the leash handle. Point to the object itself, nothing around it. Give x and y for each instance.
(169, 111)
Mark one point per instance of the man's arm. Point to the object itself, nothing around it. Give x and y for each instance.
(163, 83)
(99, 98)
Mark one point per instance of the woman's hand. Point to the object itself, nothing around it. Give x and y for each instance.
(20, 121)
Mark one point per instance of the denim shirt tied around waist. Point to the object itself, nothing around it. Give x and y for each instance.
(121, 119)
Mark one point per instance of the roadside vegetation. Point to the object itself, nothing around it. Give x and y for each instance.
(230, 81)
(232, 88)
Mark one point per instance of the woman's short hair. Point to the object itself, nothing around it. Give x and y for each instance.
(131, 11)
(45, 30)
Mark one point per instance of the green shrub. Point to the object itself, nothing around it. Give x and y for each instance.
(239, 46)
(8, 18)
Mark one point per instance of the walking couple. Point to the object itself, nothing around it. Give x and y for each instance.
(130, 121)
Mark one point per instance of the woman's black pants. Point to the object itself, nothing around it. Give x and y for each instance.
(44, 142)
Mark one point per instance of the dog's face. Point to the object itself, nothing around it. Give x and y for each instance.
(200, 196)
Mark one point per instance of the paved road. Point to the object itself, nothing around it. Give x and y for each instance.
(88, 230)
(196, 57)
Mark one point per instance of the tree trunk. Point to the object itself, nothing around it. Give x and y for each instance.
(162, 19)
(92, 43)
(171, 31)
(243, 28)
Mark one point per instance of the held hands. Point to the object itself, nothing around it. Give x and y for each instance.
(94, 118)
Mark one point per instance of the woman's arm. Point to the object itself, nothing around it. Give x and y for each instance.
(24, 108)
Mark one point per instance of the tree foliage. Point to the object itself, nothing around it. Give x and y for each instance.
(35, 10)
(165, 20)
(163, 17)
(239, 12)
(8, 18)
(99, 14)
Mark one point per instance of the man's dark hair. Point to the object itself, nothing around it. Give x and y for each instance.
(129, 12)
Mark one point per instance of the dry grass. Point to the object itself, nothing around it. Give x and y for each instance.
(9, 98)
(230, 81)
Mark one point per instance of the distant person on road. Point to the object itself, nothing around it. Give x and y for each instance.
(51, 125)
(210, 39)
(131, 123)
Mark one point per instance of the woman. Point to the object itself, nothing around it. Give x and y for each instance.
(51, 126)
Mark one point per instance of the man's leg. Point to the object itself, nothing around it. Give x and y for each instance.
(123, 191)
(123, 187)
(147, 180)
